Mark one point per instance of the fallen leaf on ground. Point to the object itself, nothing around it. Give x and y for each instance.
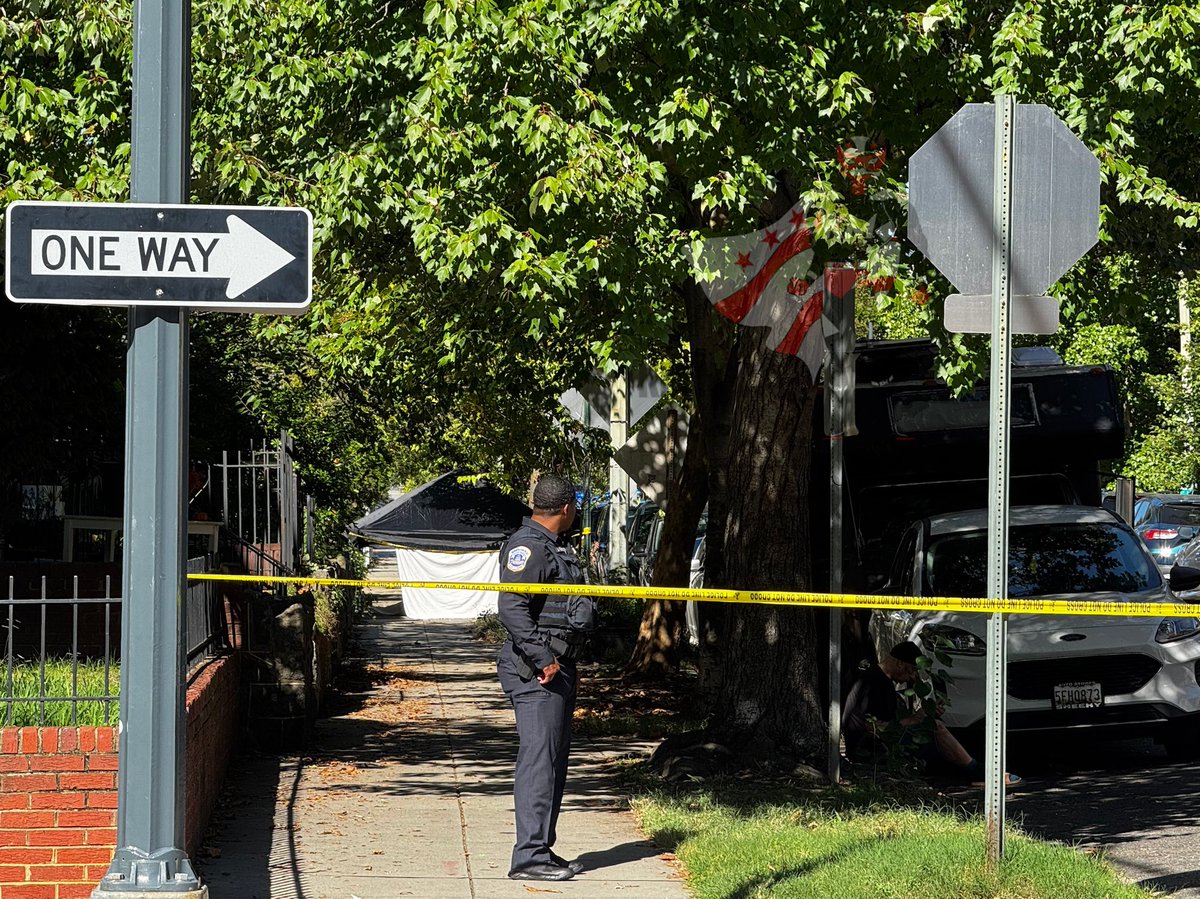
(337, 770)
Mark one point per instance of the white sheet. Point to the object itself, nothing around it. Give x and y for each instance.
(472, 568)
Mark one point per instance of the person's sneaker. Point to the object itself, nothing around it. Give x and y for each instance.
(576, 866)
(541, 871)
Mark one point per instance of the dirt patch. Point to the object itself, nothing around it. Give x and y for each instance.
(609, 705)
(337, 771)
(378, 691)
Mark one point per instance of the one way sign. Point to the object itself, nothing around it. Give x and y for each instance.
(236, 258)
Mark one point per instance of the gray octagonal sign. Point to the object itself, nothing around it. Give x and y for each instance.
(1055, 197)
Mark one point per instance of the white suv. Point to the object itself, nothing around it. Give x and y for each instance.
(1066, 671)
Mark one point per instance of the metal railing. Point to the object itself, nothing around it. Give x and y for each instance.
(251, 556)
(61, 662)
(260, 499)
(205, 611)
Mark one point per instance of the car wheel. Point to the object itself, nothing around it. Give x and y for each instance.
(1182, 741)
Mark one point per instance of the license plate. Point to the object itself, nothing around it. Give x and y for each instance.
(1083, 695)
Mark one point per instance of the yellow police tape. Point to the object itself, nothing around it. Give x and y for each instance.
(766, 597)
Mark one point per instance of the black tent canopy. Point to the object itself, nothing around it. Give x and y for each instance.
(445, 515)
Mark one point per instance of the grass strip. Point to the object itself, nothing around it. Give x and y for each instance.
(26, 711)
(741, 850)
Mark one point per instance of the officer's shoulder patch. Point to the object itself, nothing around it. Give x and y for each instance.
(517, 557)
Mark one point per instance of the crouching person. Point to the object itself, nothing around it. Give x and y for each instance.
(877, 712)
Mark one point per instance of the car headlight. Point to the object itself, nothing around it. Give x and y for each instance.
(1172, 629)
(953, 639)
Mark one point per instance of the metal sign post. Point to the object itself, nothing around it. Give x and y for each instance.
(159, 257)
(839, 386)
(1002, 226)
(997, 556)
(618, 481)
(151, 774)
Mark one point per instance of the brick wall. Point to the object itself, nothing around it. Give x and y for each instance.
(58, 791)
(57, 810)
(213, 722)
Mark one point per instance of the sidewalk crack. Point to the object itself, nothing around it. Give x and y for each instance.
(458, 792)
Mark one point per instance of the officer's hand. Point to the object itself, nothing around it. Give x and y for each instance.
(548, 673)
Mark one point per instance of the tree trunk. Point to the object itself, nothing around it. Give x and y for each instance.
(663, 631)
(759, 665)
(533, 479)
(769, 697)
(714, 366)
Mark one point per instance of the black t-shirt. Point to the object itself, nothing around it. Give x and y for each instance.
(872, 696)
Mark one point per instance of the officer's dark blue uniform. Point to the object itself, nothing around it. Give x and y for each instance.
(540, 633)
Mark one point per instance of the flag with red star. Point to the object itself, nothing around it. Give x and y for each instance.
(763, 280)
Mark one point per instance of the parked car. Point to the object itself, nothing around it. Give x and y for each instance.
(650, 550)
(637, 532)
(654, 537)
(1064, 672)
(696, 582)
(1184, 575)
(1166, 522)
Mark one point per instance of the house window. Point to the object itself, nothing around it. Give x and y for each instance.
(94, 545)
(41, 502)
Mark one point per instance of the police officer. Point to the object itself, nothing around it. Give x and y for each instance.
(537, 671)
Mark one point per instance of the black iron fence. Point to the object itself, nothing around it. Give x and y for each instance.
(205, 612)
(61, 663)
(261, 504)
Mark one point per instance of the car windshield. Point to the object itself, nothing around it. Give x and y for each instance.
(1180, 513)
(1043, 559)
(646, 515)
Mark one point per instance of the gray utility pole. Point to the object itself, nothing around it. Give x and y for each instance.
(151, 781)
(998, 432)
(839, 284)
(1185, 343)
(618, 480)
(588, 500)
(1126, 491)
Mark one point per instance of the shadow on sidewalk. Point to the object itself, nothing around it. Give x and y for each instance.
(618, 855)
(483, 752)
(418, 713)
(242, 840)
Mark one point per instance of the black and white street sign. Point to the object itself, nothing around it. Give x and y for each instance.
(235, 258)
(1055, 211)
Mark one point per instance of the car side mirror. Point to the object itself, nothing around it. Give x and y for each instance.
(1183, 577)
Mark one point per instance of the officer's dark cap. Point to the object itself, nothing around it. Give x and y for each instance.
(552, 493)
(906, 651)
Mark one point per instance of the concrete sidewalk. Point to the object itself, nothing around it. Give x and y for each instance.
(406, 790)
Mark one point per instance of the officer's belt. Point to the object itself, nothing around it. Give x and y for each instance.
(564, 648)
(564, 651)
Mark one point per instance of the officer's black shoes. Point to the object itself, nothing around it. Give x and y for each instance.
(576, 867)
(541, 871)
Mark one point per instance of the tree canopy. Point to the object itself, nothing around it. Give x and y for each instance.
(508, 196)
